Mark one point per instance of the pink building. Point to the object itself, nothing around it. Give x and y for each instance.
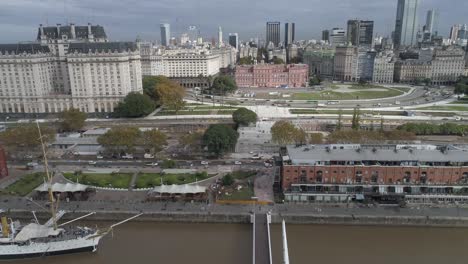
(272, 75)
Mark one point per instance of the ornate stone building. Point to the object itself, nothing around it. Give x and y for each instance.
(68, 66)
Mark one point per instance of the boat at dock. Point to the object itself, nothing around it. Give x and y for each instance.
(33, 240)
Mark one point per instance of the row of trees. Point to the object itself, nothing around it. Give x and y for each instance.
(157, 91)
(285, 133)
(434, 129)
(160, 91)
(124, 140)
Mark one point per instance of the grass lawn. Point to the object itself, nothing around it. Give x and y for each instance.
(246, 193)
(446, 108)
(403, 89)
(148, 180)
(332, 95)
(26, 184)
(364, 87)
(344, 112)
(241, 175)
(114, 180)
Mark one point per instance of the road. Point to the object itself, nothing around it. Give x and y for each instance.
(411, 99)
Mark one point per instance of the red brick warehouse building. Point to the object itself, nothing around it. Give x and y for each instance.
(272, 75)
(339, 172)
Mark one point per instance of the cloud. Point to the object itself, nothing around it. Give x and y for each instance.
(125, 19)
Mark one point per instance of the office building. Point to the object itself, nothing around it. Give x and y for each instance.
(366, 64)
(384, 67)
(406, 24)
(220, 37)
(165, 34)
(68, 66)
(326, 35)
(432, 20)
(454, 33)
(337, 37)
(234, 40)
(379, 173)
(273, 33)
(272, 75)
(360, 33)
(346, 64)
(320, 60)
(448, 64)
(289, 33)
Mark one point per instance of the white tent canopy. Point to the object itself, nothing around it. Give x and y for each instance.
(63, 187)
(182, 189)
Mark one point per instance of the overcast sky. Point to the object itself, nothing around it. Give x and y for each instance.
(125, 19)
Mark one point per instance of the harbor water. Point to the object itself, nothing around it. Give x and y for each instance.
(232, 243)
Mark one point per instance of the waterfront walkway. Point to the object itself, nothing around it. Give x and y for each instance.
(261, 239)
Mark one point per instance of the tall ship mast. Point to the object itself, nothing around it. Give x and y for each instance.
(37, 240)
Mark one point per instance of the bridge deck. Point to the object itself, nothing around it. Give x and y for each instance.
(262, 250)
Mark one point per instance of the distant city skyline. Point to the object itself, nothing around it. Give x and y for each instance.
(125, 20)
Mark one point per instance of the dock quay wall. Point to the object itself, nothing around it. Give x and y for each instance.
(244, 218)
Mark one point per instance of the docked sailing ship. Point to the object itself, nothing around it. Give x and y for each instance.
(36, 240)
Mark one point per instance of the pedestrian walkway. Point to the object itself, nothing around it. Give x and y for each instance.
(261, 239)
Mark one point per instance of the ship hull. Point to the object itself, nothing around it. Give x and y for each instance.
(36, 250)
(50, 253)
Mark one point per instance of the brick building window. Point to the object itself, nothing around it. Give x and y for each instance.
(407, 177)
(319, 176)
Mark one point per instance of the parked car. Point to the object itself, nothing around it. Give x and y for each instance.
(237, 162)
(99, 157)
(152, 164)
(148, 156)
(92, 162)
(127, 156)
(204, 162)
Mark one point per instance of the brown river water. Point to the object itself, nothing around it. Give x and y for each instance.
(231, 243)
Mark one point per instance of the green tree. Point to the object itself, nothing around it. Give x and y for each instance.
(246, 61)
(316, 138)
(26, 137)
(120, 139)
(72, 120)
(192, 141)
(150, 83)
(223, 85)
(220, 139)
(284, 133)
(244, 117)
(314, 81)
(339, 125)
(171, 95)
(227, 180)
(135, 105)
(155, 140)
(277, 60)
(461, 87)
(355, 123)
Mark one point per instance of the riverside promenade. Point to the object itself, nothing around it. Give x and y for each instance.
(292, 213)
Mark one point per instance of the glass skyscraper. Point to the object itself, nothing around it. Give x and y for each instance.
(165, 34)
(406, 25)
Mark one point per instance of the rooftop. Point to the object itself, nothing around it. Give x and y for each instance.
(28, 48)
(311, 154)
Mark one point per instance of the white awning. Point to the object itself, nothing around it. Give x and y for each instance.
(63, 187)
(183, 189)
(36, 231)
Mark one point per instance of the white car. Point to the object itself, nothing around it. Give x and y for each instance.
(153, 164)
(237, 162)
(99, 157)
(92, 162)
(204, 162)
